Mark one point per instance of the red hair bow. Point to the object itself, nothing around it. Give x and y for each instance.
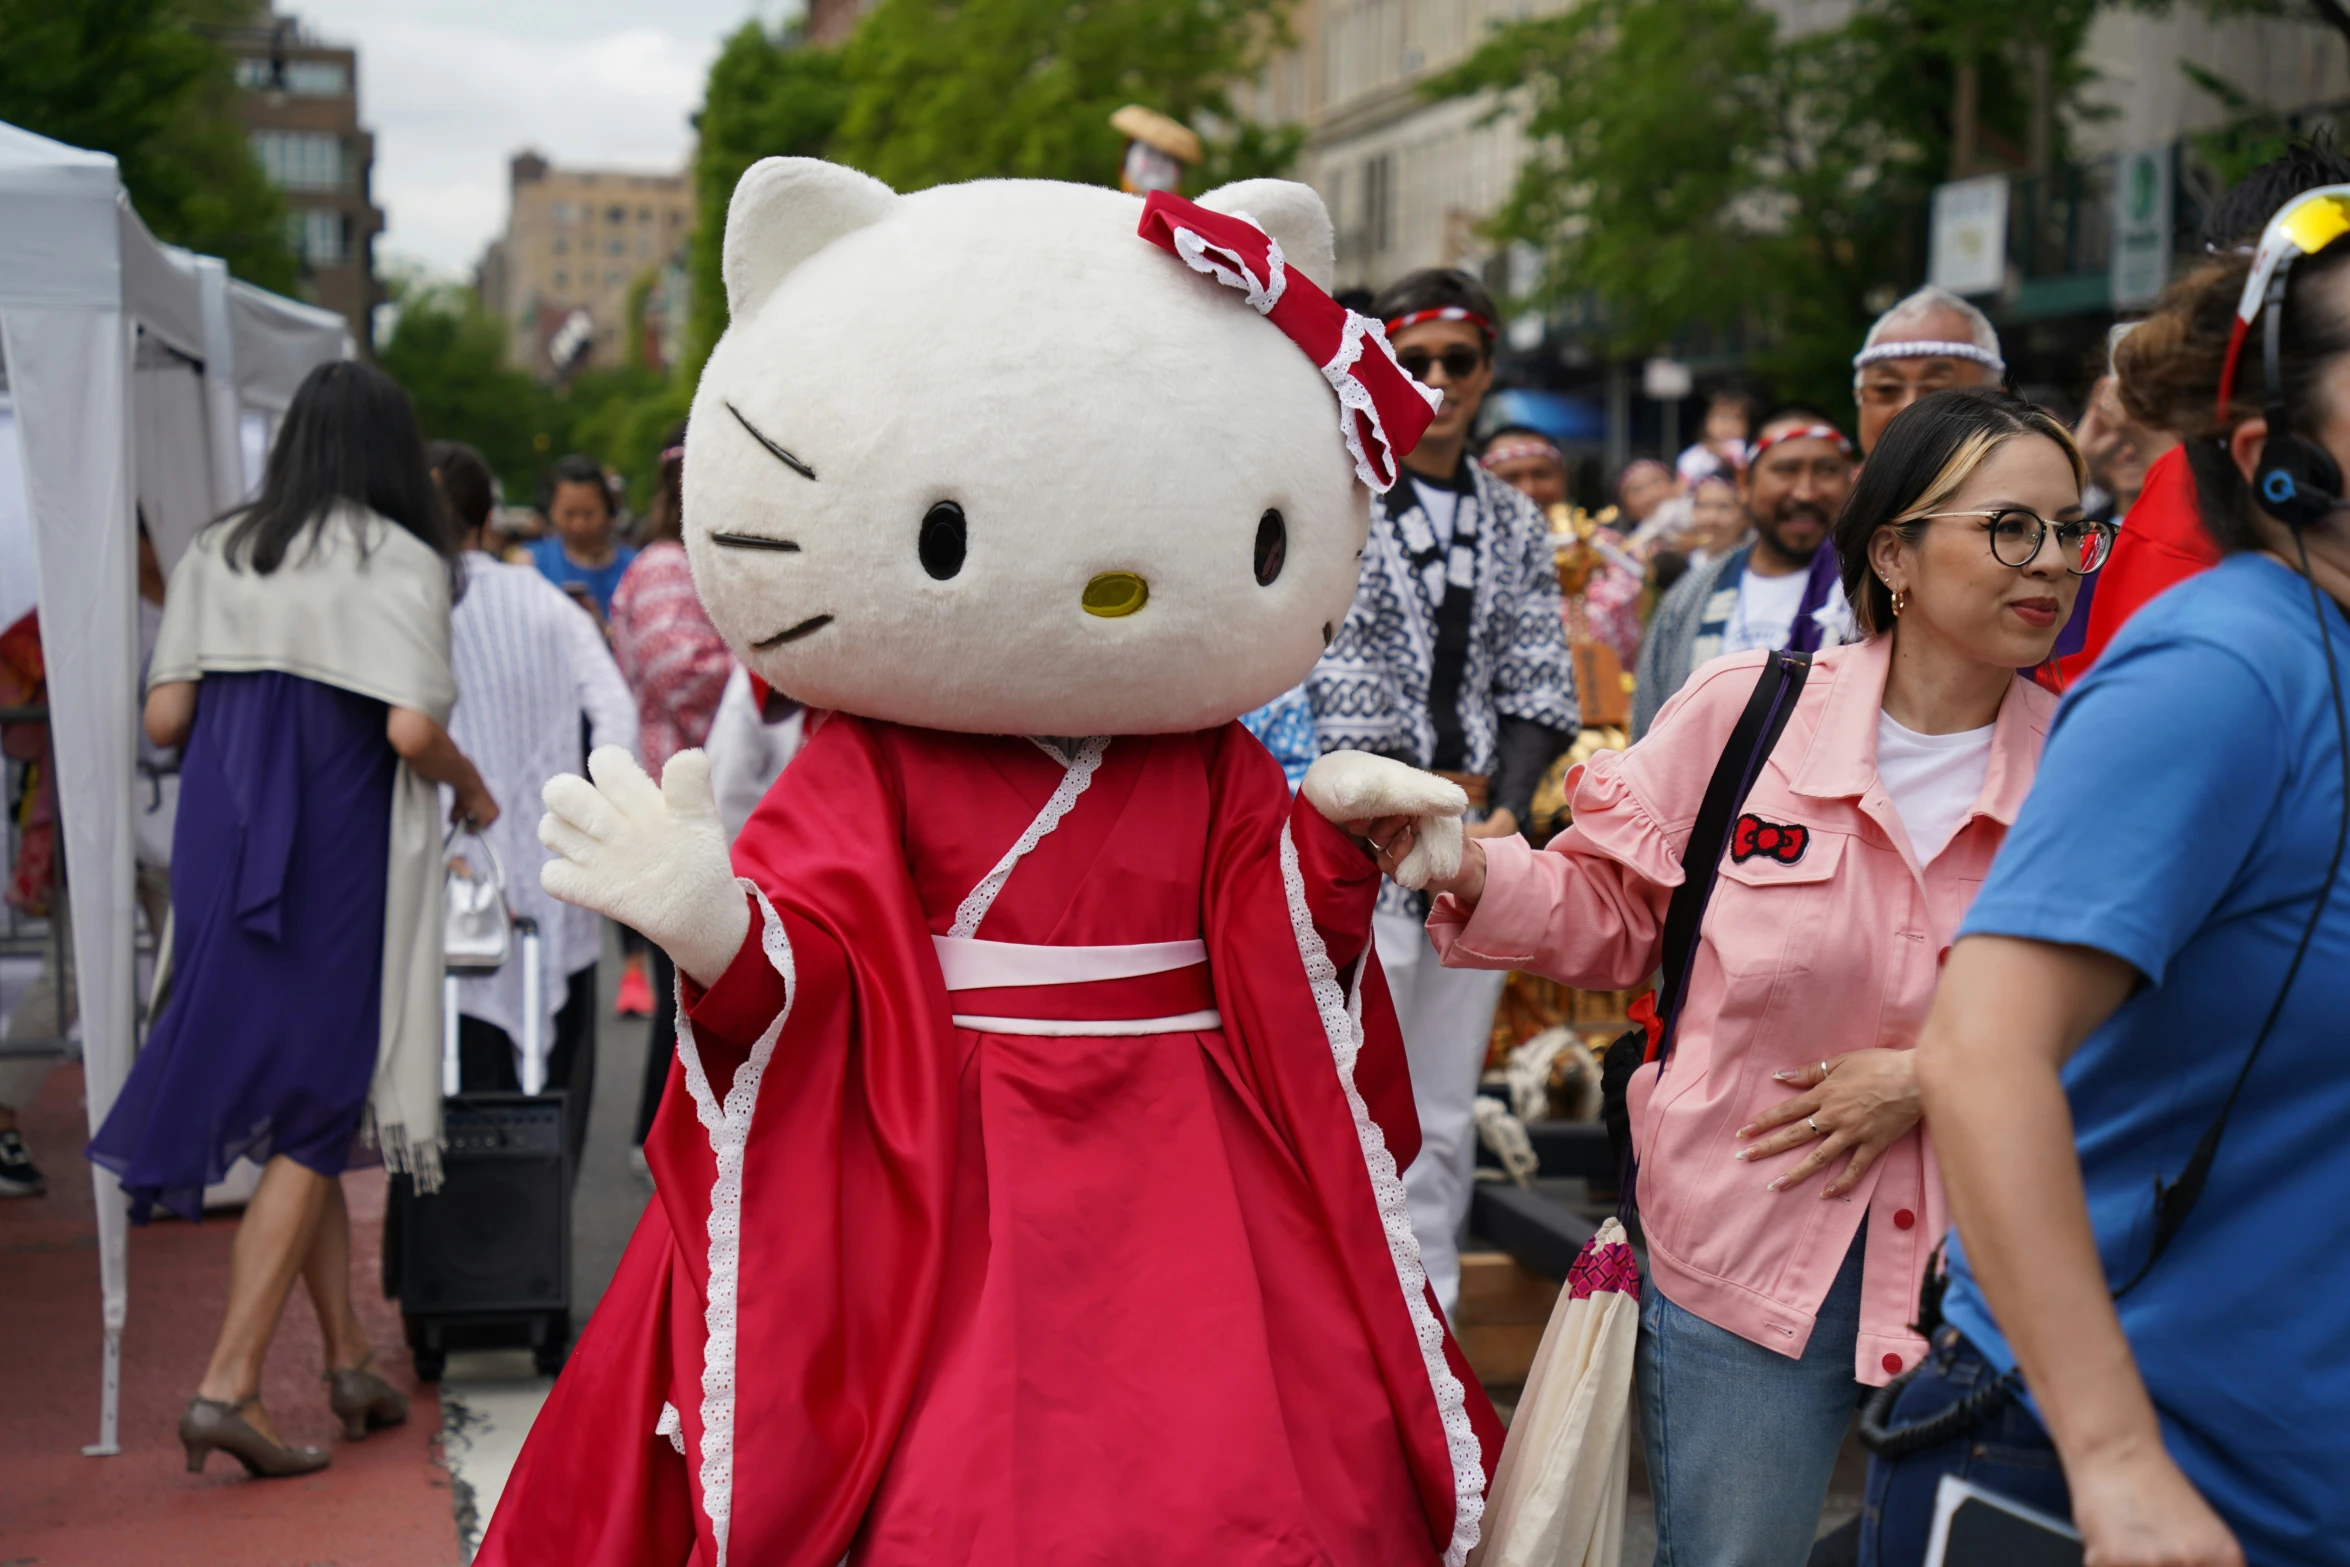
(1382, 412)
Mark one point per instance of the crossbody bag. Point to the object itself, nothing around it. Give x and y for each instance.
(1751, 742)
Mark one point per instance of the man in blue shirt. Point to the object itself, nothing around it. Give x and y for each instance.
(2148, 904)
(580, 554)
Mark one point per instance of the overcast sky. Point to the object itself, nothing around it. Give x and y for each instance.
(453, 88)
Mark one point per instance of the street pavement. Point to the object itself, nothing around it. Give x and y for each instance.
(490, 1397)
(414, 1496)
(417, 1496)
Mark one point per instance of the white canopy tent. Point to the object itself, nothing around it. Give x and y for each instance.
(138, 377)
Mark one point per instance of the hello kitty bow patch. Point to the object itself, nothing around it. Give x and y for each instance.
(1382, 412)
(1781, 841)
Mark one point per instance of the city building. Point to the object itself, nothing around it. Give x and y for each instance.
(1407, 181)
(1411, 182)
(831, 21)
(589, 257)
(300, 105)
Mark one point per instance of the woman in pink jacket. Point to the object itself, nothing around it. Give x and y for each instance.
(1788, 1193)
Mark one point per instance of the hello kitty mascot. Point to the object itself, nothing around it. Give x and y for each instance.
(1029, 1177)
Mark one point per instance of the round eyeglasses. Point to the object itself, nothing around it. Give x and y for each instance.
(2016, 536)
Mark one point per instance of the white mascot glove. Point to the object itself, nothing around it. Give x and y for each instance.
(1355, 786)
(652, 857)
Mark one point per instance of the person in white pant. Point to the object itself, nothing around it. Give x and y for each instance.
(1453, 658)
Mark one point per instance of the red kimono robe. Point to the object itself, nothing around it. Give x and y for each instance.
(1029, 1191)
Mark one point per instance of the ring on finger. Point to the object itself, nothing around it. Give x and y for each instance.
(1815, 1127)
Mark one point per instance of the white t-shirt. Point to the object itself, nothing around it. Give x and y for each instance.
(1440, 504)
(1765, 615)
(1934, 780)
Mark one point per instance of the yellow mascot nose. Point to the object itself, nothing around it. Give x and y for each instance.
(1116, 593)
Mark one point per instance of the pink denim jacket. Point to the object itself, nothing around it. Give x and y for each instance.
(1831, 943)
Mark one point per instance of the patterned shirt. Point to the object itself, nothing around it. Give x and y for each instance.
(1370, 690)
(1285, 726)
(674, 659)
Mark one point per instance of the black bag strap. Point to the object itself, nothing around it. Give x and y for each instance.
(1750, 745)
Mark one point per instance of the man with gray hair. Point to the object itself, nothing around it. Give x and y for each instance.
(1929, 341)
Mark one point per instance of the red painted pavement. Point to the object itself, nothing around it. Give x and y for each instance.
(384, 1502)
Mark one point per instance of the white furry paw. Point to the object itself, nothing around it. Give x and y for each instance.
(1355, 786)
(653, 857)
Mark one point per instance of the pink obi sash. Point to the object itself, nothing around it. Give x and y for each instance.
(1005, 987)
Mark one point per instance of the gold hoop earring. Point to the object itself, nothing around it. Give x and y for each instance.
(1900, 603)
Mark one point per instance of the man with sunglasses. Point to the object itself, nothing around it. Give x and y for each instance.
(1453, 658)
(1780, 591)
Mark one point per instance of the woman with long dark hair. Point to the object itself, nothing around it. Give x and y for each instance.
(1789, 1202)
(303, 663)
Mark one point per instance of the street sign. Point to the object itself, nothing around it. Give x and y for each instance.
(1665, 379)
(2141, 225)
(1970, 235)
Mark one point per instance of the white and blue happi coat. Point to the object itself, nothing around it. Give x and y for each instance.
(1371, 690)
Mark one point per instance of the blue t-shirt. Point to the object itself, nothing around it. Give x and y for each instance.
(2182, 820)
(546, 553)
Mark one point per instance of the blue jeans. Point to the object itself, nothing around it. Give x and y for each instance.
(1741, 1441)
(2007, 1451)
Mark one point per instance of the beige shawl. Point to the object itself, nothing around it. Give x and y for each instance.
(367, 610)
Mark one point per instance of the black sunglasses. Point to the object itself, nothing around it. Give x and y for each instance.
(1459, 363)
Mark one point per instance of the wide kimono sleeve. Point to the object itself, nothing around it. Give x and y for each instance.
(1589, 909)
(1312, 1035)
(739, 1390)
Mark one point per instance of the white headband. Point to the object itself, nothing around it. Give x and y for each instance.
(1928, 349)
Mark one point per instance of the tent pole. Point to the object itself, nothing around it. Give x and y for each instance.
(114, 1286)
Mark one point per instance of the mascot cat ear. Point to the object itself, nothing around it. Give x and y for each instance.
(1288, 211)
(784, 211)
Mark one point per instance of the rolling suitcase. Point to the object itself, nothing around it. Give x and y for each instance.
(485, 1262)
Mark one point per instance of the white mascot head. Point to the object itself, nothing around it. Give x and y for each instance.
(983, 459)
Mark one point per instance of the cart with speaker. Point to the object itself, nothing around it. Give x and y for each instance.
(484, 1262)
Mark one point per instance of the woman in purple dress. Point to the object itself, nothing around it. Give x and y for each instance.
(303, 662)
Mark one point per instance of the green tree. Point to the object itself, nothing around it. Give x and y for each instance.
(768, 96)
(146, 81)
(943, 90)
(450, 354)
(1695, 165)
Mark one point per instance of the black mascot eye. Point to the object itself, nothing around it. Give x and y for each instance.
(942, 542)
(1272, 547)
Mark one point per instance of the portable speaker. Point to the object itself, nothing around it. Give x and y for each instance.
(492, 1248)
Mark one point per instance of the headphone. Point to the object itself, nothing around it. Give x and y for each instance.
(2297, 480)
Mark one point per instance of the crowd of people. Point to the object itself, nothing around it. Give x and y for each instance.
(2025, 896)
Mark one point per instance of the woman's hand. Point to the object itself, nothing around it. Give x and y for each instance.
(2138, 1510)
(1857, 1103)
(425, 746)
(474, 803)
(1388, 839)
(1356, 791)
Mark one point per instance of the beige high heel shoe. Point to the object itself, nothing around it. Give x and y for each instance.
(213, 1423)
(363, 1401)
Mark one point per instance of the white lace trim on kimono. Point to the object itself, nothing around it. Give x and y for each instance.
(1342, 1023)
(729, 1129)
